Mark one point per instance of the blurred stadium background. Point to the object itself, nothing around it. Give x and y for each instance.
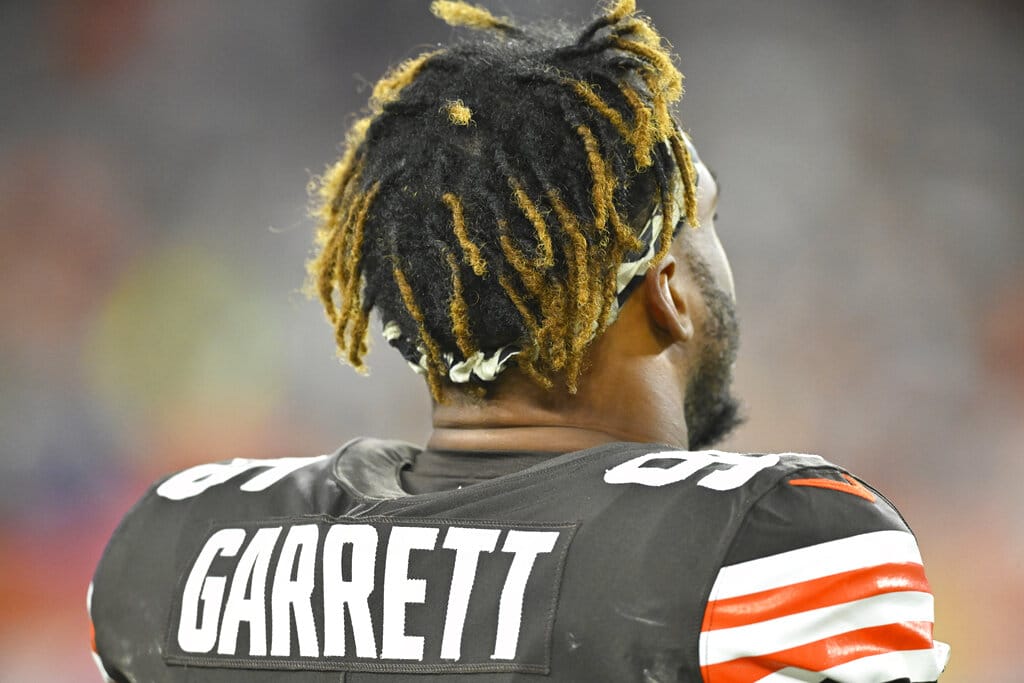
(153, 163)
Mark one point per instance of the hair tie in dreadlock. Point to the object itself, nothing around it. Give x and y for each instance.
(487, 366)
(635, 266)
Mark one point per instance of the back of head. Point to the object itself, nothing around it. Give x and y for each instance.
(487, 202)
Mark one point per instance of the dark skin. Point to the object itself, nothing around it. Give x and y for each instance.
(638, 375)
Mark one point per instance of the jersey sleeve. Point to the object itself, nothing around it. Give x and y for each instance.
(823, 582)
(121, 602)
(105, 675)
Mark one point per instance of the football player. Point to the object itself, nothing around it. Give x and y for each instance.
(536, 234)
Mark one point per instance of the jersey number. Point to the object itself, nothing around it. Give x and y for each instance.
(732, 470)
(195, 480)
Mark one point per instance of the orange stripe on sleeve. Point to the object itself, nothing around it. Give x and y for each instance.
(851, 486)
(824, 654)
(816, 593)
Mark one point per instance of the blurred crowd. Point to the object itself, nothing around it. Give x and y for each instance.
(153, 164)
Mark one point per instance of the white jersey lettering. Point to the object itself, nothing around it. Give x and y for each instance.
(247, 597)
(402, 590)
(200, 588)
(526, 545)
(354, 593)
(295, 596)
(467, 544)
(320, 590)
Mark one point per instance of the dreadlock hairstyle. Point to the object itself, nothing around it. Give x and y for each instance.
(481, 205)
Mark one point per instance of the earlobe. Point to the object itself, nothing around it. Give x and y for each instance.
(666, 304)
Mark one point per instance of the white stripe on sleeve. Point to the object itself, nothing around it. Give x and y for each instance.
(814, 562)
(917, 665)
(783, 633)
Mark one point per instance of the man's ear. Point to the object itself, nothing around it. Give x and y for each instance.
(666, 303)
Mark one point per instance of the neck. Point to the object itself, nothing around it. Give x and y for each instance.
(628, 400)
(553, 439)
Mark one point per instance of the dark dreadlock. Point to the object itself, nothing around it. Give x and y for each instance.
(484, 200)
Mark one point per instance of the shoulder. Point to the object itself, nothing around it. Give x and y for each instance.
(130, 592)
(671, 489)
(780, 500)
(210, 493)
(811, 504)
(822, 577)
(215, 491)
(811, 572)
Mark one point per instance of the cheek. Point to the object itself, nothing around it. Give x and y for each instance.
(721, 269)
(709, 248)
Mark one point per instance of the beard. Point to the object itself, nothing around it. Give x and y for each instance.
(710, 410)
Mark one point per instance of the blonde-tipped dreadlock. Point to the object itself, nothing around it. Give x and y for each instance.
(458, 113)
(463, 14)
(619, 10)
(500, 229)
